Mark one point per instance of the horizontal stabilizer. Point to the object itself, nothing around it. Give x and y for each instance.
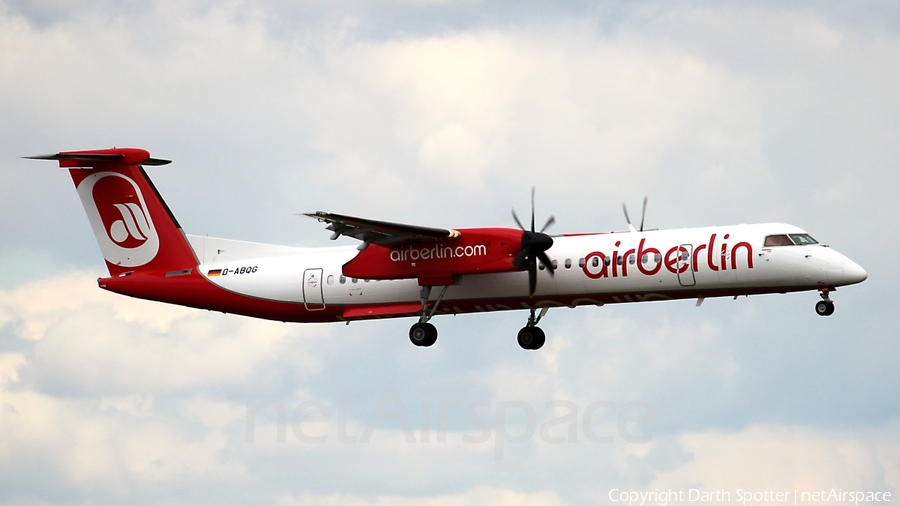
(122, 155)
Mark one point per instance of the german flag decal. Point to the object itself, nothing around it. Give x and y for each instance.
(214, 272)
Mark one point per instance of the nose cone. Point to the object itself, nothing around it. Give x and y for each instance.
(843, 271)
(853, 273)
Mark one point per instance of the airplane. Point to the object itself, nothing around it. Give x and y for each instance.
(401, 270)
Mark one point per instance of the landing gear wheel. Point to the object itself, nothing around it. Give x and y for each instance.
(531, 338)
(423, 334)
(824, 308)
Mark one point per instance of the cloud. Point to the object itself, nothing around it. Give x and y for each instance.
(139, 345)
(481, 495)
(113, 446)
(117, 397)
(766, 456)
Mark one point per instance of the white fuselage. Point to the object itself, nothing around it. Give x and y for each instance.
(591, 269)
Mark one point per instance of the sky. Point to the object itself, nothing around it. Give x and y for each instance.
(445, 114)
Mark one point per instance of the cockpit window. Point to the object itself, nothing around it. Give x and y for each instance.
(790, 240)
(803, 239)
(778, 240)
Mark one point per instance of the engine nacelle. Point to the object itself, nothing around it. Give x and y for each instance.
(475, 251)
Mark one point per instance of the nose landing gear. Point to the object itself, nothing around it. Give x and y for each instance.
(825, 307)
(532, 337)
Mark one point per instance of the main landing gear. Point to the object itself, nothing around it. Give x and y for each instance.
(824, 307)
(532, 337)
(423, 333)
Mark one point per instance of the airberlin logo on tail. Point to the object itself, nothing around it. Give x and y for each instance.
(118, 214)
(134, 224)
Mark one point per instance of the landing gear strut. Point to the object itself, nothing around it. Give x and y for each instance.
(531, 337)
(423, 333)
(824, 307)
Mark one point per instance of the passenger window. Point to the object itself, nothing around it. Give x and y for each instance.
(330, 279)
(803, 239)
(342, 279)
(367, 280)
(631, 259)
(581, 262)
(657, 258)
(595, 261)
(555, 264)
(540, 266)
(568, 263)
(607, 261)
(645, 258)
(618, 260)
(778, 240)
(354, 280)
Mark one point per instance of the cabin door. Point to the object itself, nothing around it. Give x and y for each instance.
(312, 289)
(683, 263)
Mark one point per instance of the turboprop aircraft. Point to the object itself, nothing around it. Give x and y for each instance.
(403, 270)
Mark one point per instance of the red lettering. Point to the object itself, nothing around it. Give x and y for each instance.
(696, 263)
(625, 262)
(710, 251)
(649, 251)
(670, 260)
(674, 263)
(749, 254)
(722, 260)
(601, 260)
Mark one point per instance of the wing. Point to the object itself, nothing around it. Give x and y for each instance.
(379, 232)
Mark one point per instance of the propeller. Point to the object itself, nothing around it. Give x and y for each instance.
(628, 219)
(534, 245)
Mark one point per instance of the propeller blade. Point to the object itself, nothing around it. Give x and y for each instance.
(519, 223)
(532, 208)
(627, 218)
(545, 260)
(532, 276)
(643, 213)
(534, 245)
(550, 221)
(520, 257)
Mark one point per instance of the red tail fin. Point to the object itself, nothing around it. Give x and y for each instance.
(134, 227)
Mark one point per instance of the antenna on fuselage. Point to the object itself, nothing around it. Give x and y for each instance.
(628, 219)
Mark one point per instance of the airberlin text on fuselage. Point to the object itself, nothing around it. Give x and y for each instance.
(677, 259)
(437, 252)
